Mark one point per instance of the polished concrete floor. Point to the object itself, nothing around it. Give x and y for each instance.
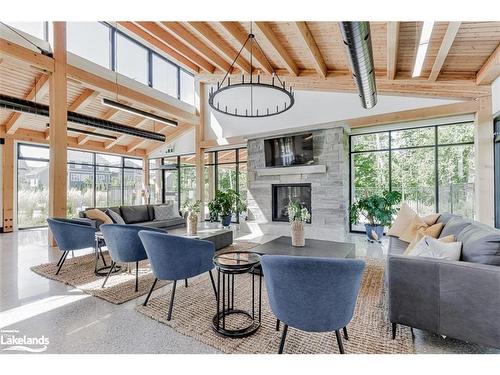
(75, 322)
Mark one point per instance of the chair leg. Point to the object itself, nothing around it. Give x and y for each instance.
(339, 342)
(61, 258)
(277, 324)
(61, 261)
(394, 326)
(283, 338)
(186, 283)
(150, 292)
(136, 277)
(102, 256)
(213, 283)
(412, 334)
(109, 273)
(346, 337)
(170, 307)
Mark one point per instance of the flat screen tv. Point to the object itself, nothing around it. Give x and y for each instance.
(289, 151)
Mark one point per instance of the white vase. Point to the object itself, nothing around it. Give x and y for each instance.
(192, 224)
(298, 238)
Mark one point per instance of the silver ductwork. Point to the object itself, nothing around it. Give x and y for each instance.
(357, 39)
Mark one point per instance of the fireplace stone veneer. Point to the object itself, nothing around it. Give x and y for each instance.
(329, 190)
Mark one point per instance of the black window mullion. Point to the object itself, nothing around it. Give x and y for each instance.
(390, 161)
(436, 168)
(179, 182)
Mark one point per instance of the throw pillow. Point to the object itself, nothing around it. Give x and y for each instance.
(433, 248)
(165, 212)
(96, 214)
(454, 226)
(117, 219)
(432, 231)
(431, 219)
(411, 230)
(404, 218)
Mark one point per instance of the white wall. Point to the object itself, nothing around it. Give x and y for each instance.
(495, 96)
(311, 107)
(182, 145)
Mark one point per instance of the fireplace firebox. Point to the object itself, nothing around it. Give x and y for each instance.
(284, 193)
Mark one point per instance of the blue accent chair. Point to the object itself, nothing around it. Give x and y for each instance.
(124, 245)
(176, 258)
(312, 294)
(70, 235)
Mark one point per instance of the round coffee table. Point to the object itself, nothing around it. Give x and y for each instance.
(229, 265)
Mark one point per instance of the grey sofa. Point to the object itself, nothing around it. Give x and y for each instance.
(143, 215)
(459, 299)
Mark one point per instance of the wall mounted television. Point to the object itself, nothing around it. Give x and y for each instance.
(289, 151)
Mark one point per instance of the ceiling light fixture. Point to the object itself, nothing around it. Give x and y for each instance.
(425, 37)
(138, 112)
(88, 132)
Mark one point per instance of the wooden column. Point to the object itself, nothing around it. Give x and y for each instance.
(485, 174)
(58, 174)
(199, 136)
(145, 178)
(8, 185)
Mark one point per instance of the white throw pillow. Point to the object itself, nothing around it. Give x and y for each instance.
(433, 248)
(166, 211)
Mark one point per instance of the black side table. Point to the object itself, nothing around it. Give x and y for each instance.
(229, 265)
(99, 243)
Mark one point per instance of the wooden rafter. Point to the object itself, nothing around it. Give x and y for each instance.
(84, 99)
(26, 56)
(165, 37)
(237, 31)
(312, 47)
(181, 130)
(140, 124)
(271, 37)
(82, 139)
(183, 34)
(216, 42)
(490, 70)
(448, 39)
(392, 48)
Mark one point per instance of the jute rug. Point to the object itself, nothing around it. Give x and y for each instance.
(120, 287)
(369, 331)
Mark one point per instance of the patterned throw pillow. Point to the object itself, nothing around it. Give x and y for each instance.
(165, 211)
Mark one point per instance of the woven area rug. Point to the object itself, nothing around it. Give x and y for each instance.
(369, 331)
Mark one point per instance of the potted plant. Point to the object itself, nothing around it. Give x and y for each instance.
(192, 208)
(378, 210)
(224, 205)
(297, 216)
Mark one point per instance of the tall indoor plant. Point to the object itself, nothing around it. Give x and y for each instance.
(192, 209)
(378, 210)
(224, 204)
(297, 216)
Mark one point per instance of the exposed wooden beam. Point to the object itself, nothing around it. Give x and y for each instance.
(237, 31)
(272, 39)
(135, 144)
(7, 181)
(447, 42)
(162, 46)
(392, 48)
(210, 37)
(183, 34)
(165, 37)
(140, 123)
(211, 143)
(312, 48)
(490, 70)
(25, 55)
(181, 130)
(84, 99)
(107, 116)
(38, 92)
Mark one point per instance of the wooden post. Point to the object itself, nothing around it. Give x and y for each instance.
(199, 136)
(8, 185)
(58, 174)
(485, 174)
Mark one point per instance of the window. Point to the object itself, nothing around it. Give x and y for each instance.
(165, 76)
(131, 59)
(186, 87)
(36, 29)
(132, 182)
(155, 182)
(171, 181)
(187, 170)
(108, 187)
(80, 181)
(90, 40)
(432, 166)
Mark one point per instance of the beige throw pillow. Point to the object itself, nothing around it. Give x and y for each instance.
(96, 214)
(431, 219)
(404, 218)
(434, 231)
(433, 248)
(410, 233)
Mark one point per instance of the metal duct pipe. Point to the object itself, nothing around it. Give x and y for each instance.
(357, 38)
(26, 106)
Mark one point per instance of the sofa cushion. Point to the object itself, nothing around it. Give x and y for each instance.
(480, 244)
(436, 248)
(134, 214)
(151, 212)
(115, 217)
(445, 217)
(454, 226)
(397, 246)
(166, 211)
(169, 223)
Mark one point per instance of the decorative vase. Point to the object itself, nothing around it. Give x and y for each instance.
(298, 239)
(374, 232)
(226, 220)
(192, 224)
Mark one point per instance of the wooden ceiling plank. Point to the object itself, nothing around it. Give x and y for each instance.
(392, 48)
(312, 48)
(490, 70)
(273, 40)
(181, 130)
(84, 99)
(237, 31)
(140, 123)
(219, 44)
(448, 39)
(107, 116)
(182, 33)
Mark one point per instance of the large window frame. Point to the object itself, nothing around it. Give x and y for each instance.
(435, 146)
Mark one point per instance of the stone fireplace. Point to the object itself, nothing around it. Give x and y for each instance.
(324, 186)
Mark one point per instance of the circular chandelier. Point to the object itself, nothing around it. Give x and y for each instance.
(250, 97)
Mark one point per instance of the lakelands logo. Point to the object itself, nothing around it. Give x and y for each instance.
(12, 340)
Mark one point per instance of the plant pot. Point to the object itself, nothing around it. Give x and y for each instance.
(374, 232)
(226, 220)
(192, 224)
(298, 238)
